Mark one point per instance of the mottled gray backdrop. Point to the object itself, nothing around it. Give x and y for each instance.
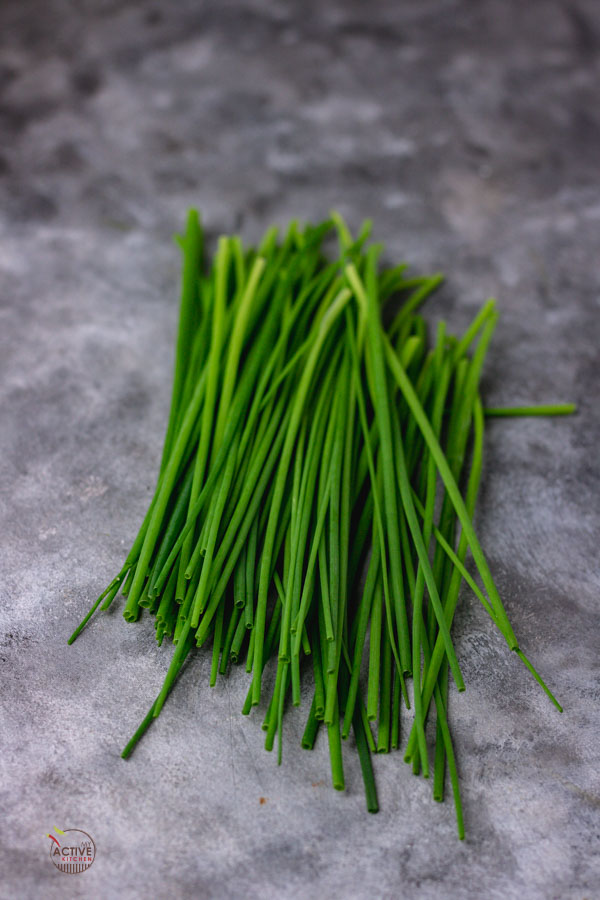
(470, 133)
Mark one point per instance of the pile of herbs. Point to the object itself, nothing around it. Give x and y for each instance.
(314, 506)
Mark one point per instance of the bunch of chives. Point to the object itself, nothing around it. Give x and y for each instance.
(315, 499)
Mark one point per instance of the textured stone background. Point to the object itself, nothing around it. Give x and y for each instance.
(470, 133)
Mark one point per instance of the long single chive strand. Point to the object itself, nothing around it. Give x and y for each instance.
(151, 715)
(552, 409)
(111, 591)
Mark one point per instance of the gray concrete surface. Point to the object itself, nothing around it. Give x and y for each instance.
(470, 133)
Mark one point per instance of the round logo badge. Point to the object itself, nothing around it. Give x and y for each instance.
(73, 851)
